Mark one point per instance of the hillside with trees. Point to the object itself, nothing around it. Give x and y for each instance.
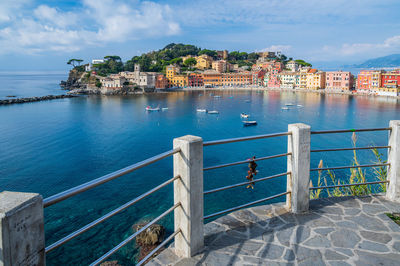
(156, 61)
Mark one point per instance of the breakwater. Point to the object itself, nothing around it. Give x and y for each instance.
(35, 99)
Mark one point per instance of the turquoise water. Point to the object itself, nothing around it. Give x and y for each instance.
(47, 147)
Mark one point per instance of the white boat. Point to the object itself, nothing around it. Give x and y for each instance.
(164, 108)
(217, 96)
(289, 104)
(150, 109)
(213, 112)
(299, 105)
(285, 108)
(243, 115)
(249, 123)
(202, 110)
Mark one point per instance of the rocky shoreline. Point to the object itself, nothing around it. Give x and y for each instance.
(35, 99)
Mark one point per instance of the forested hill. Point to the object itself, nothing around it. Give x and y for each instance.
(156, 61)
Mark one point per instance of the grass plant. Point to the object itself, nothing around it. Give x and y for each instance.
(357, 175)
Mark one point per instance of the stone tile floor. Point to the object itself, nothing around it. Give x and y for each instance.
(336, 231)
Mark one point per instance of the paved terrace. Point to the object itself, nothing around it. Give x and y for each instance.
(336, 231)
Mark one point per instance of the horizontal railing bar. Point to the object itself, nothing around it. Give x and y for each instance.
(101, 180)
(350, 185)
(351, 149)
(346, 167)
(106, 216)
(224, 141)
(245, 183)
(245, 205)
(131, 237)
(158, 247)
(350, 130)
(246, 161)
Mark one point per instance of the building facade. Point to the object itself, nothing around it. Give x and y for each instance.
(339, 80)
(195, 80)
(292, 66)
(161, 82)
(204, 61)
(221, 66)
(315, 79)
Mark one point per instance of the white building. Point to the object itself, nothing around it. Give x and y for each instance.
(112, 83)
(293, 66)
(288, 79)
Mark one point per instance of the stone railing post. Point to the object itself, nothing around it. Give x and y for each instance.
(188, 190)
(21, 229)
(393, 174)
(298, 164)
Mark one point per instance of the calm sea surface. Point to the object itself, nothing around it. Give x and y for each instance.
(47, 147)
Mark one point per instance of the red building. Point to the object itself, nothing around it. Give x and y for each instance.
(390, 79)
(195, 80)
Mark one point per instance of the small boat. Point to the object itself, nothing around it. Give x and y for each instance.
(164, 108)
(217, 96)
(247, 101)
(299, 105)
(243, 115)
(289, 104)
(201, 110)
(150, 109)
(249, 123)
(285, 108)
(213, 112)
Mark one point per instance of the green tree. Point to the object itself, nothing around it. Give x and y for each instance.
(303, 63)
(211, 53)
(190, 62)
(74, 61)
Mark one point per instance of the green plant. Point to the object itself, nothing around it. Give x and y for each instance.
(357, 175)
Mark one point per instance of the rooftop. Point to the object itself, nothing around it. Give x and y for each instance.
(336, 231)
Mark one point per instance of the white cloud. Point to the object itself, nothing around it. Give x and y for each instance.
(95, 23)
(389, 45)
(277, 48)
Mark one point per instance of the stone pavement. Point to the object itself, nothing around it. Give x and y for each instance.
(336, 231)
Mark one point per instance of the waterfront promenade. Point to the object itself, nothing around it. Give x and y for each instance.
(335, 231)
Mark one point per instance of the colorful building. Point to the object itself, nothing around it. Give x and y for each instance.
(161, 82)
(273, 79)
(258, 77)
(179, 81)
(221, 66)
(195, 80)
(236, 79)
(212, 78)
(171, 71)
(339, 80)
(288, 79)
(222, 54)
(204, 61)
(315, 79)
(292, 66)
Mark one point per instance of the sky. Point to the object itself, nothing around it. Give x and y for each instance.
(43, 35)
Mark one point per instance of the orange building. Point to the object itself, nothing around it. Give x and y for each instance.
(212, 78)
(369, 79)
(161, 82)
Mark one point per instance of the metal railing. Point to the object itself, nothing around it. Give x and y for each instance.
(350, 149)
(96, 182)
(101, 180)
(232, 140)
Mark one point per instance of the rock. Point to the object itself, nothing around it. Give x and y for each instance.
(151, 236)
(35, 99)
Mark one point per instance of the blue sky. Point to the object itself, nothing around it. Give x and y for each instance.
(37, 35)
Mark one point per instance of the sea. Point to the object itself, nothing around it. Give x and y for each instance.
(50, 146)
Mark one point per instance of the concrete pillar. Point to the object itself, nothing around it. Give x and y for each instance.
(393, 188)
(299, 165)
(188, 190)
(21, 229)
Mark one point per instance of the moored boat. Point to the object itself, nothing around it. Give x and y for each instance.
(285, 108)
(289, 104)
(243, 115)
(213, 112)
(201, 110)
(249, 123)
(150, 109)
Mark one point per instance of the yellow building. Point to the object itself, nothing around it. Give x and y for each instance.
(179, 81)
(204, 61)
(171, 71)
(315, 79)
(302, 84)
